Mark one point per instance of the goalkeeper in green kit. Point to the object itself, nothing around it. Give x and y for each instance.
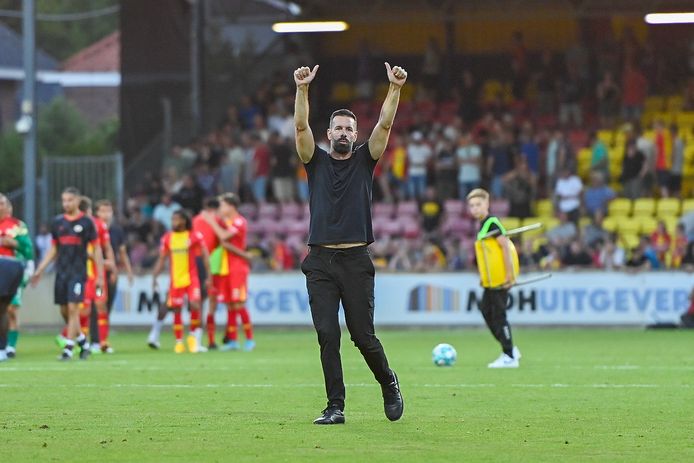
(16, 237)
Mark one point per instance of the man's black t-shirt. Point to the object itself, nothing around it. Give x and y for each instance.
(117, 239)
(71, 238)
(340, 197)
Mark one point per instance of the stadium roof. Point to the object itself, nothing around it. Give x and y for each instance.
(11, 51)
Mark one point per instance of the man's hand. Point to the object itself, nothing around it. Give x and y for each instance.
(397, 75)
(35, 278)
(8, 242)
(304, 75)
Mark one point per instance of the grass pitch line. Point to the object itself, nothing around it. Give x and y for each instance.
(316, 385)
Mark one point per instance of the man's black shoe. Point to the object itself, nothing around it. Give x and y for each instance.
(85, 352)
(331, 415)
(212, 346)
(393, 404)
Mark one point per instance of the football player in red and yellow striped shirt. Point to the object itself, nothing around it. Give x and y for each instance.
(181, 245)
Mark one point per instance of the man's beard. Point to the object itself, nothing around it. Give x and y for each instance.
(342, 148)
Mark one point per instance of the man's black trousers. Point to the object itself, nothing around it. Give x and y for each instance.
(347, 275)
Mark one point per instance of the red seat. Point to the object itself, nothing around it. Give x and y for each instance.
(290, 211)
(383, 210)
(454, 207)
(500, 207)
(407, 208)
(267, 211)
(248, 210)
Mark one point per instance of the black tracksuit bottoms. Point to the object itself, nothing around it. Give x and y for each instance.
(346, 275)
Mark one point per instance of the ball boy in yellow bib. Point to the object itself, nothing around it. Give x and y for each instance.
(497, 262)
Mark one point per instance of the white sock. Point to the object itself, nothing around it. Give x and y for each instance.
(155, 333)
(198, 335)
(10, 349)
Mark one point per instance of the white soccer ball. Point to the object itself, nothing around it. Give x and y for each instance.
(444, 355)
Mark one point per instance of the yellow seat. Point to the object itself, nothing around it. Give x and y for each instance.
(648, 225)
(544, 208)
(537, 242)
(619, 207)
(644, 207)
(667, 207)
(530, 221)
(606, 136)
(342, 92)
(510, 223)
(671, 224)
(629, 226)
(685, 119)
(654, 103)
(629, 241)
(675, 102)
(687, 205)
(583, 222)
(550, 223)
(610, 224)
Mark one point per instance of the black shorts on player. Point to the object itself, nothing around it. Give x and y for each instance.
(68, 289)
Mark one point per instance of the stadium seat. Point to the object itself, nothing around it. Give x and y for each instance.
(671, 224)
(544, 208)
(268, 211)
(674, 103)
(550, 222)
(687, 205)
(290, 211)
(643, 207)
(454, 207)
(407, 209)
(342, 92)
(457, 226)
(619, 207)
(248, 210)
(410, 228)
(510, 223)
(668, 207)
(647, 225)
(383, 210)
(606, 136)
(685, 119)
(629, 241)
(611, 223)
(629, 225)
(654, 103)
(500, 207)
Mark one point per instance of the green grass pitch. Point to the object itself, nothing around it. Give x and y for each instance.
(580, 395)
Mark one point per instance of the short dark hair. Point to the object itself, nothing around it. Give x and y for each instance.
(342, 112)
(102, 203)
(231, 199)
(211, 203)
(185, 215)
(85, 204)
(72, 190)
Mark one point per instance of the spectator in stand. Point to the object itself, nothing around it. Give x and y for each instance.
(611, 256)
(599, 160)
(260, 168)
(567, 195)
(247, 112)
(179, 162)
(608, 95)
(458, 256)
(577, 256)
(634, 92)
(598, 195)
(688, 259)
(446, 167)
(555, 159)
(662, 158)
(430, 210)
(281, 121)
(164, 211)
(469, 94)
(546, 84)
(519, 54)
(190, 196)
(418, 155)
(637, 261)
(571, 93)
(232, 166)
(529, 148)
(528, 258)
(206, 179)
(594, 233)
(43, 243)
(401, 259)
(519, 188)
(649, 252)
(499, 161)
(431, 68)
(282, 257)
(552, 260)
(283, 167)
(679, 247)
(564, 233)
(677, 161)
(634, 169)
(396, 157)
(661, 240)
(469, 157)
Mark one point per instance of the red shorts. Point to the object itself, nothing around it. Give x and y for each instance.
(91, 295)
(231, 288)
(176, 296)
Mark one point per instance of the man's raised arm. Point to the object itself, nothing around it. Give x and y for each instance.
(379, 137)
(305, 144)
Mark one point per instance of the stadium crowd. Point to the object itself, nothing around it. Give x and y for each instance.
(522, 141)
